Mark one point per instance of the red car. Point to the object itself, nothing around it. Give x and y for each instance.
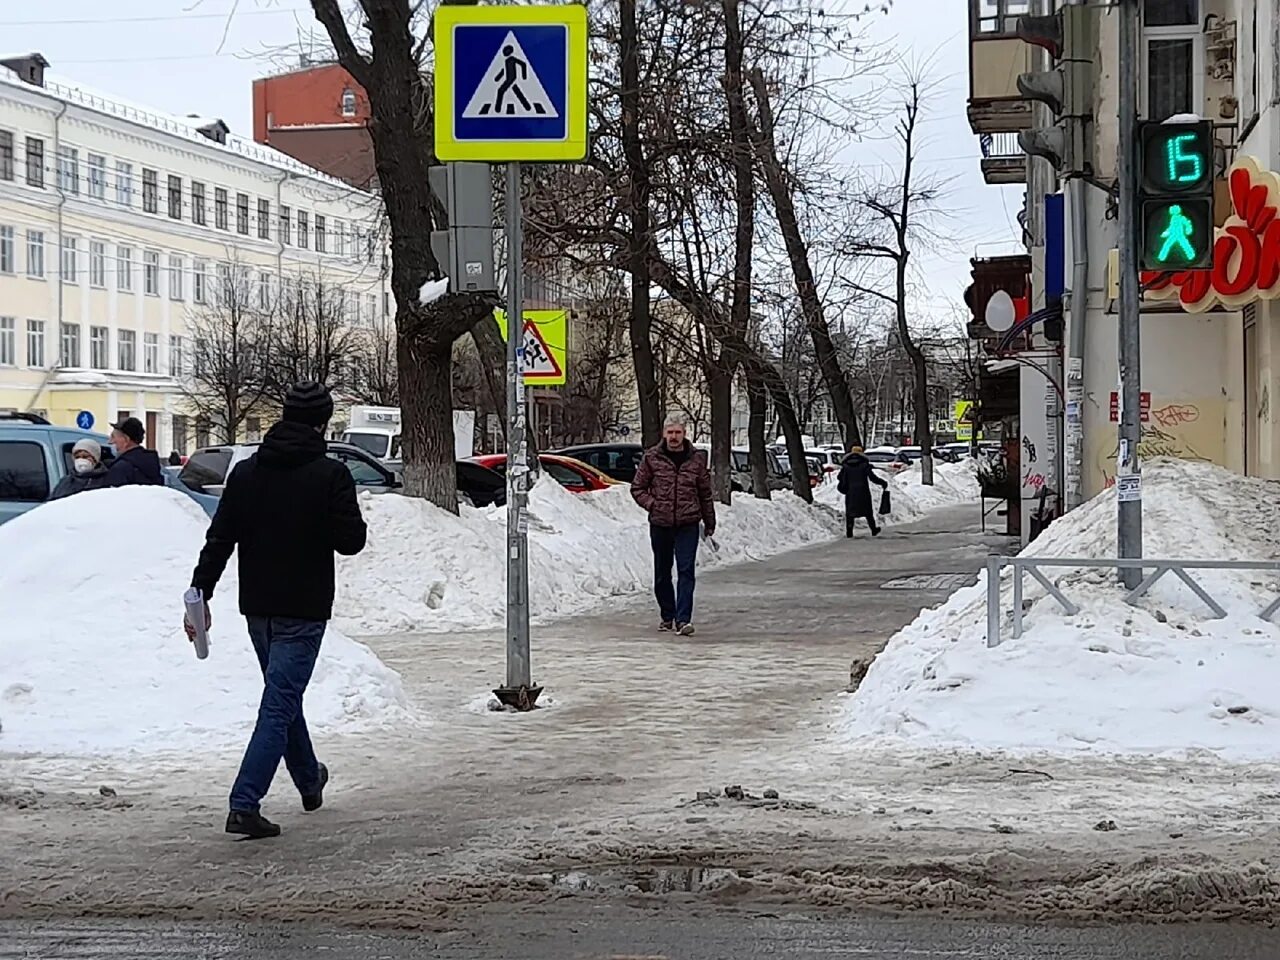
(574, 475)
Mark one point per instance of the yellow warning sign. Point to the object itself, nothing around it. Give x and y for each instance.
(546, 335)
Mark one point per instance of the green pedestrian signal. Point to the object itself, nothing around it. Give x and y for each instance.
(1175, 188)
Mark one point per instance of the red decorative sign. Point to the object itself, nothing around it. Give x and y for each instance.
(1246, 251)
(1144, 407)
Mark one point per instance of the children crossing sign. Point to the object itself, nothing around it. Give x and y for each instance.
(511, 83)
(545, 333)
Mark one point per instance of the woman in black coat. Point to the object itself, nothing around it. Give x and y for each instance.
(856, 477)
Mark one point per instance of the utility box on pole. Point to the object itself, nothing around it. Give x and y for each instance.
(1068, 89)
(465, 249)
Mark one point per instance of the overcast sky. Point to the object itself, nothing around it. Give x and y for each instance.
(173, 54)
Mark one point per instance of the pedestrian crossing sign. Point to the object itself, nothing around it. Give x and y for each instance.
(545, 334)
(510, 83)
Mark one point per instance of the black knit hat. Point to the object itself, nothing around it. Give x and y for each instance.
(308, 403)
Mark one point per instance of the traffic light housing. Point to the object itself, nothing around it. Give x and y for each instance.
(1175, 194)
(1067, 89)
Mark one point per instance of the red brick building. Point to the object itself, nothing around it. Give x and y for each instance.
(319, 115)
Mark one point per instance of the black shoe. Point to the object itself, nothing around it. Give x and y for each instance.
(684, 629)
(251, 824)
(875, 531)
(312, 802)
(667, 625)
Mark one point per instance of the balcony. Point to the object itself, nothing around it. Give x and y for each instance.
(1003, 161)
(996, 57)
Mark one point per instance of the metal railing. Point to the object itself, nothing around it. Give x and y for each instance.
(1035, 566)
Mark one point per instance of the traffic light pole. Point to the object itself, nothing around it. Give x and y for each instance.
(1128, 468)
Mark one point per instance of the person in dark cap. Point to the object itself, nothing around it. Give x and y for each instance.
(134, 463)
(288, 508)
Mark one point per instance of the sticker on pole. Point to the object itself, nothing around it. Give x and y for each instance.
(543, 350)
(1129, 489)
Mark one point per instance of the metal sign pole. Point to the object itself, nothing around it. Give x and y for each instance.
(519, 691)
(1128, 468)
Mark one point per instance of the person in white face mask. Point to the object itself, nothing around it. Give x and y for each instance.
(87, 472)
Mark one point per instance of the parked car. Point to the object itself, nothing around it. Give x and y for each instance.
(887, 459)
(740, 467)
(35, 455)
(574, 475)
(206, 472)
(811, 463)
(828, 458)
(618, 461)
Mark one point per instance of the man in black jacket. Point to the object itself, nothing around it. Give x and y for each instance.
(288, 508)
(856, 475)
(134, 463)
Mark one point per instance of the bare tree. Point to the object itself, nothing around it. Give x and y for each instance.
(311, 339)
(376, 379)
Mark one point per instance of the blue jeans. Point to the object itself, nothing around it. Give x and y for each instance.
(287, 649)
(678, 544)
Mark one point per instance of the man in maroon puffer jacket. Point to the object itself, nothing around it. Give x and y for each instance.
(674, 487)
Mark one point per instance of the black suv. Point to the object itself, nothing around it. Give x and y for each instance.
(617, 460)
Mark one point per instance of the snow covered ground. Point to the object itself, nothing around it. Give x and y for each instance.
(1156, 678)
(93, 659)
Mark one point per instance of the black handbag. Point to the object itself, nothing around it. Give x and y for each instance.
(885, 506)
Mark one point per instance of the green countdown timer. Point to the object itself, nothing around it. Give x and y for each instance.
(1177, 158)
(1177, 234)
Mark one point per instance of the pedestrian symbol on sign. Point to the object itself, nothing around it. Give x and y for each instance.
(510, 87)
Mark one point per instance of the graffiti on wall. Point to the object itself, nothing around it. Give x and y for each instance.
(1182, 429)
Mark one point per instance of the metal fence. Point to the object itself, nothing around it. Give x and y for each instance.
(1035, 566)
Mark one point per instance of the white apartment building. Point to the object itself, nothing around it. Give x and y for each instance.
(119, 224)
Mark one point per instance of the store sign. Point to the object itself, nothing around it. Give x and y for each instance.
(1246, 251)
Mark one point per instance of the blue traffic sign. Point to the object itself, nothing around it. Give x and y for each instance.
(84, 420)
(511, 82)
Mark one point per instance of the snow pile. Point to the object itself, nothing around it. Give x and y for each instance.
(433, 290)
(1160, 677)
(93, 659)
(425, 568)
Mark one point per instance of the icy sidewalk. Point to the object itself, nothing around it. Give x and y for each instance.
(1158, 678)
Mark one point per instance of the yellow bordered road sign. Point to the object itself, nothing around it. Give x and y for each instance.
(546, 334)
(511, 83)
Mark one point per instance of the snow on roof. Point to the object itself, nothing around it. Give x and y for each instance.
(64, 89)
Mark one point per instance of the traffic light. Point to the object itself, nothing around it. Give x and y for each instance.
(1175, 193)
(1067, 89)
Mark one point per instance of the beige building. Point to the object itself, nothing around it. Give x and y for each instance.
(119, 224)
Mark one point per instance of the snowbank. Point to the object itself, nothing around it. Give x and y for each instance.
(1157, 678)
(426, 569)
(93, 659)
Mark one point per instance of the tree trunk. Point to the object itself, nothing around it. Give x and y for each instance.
(790, 426)
(757, 405)
(924, 426)
(493, 363)
(798, 254)
(720, 389)
(641, 326)
(426, 421)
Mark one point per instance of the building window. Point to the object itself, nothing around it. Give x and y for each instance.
(69, 170)
(219, 208)
(176, 268)
(371, 305)
(124, 183)
(150, 191)
(999, 16)
(264, 291)
(35, 162)
(128, 343)
(35, 344)
(69, 354)
(304, 229)
(348, 102)
(124, 268)
(264, 219)
(224, 292)
(339, 238)
(175, 198)
(198, 367)
(97, 263)
(7, 256)
(1173, 51)
(175, 356)
(6, 155)
(242, 214)
(151, 273)
(8, 342)
(198, 215)
(286, 225)
(98, 348)
(322, 241)
(200, 280)
(35, 254)
(67, 265)
(180, 433)
(203, 429)
(151, 353)
(97, 176)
